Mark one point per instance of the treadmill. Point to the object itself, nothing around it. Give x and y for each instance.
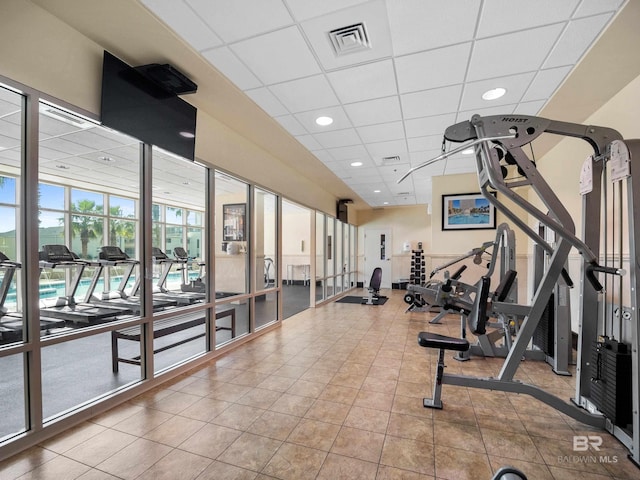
(160, 291)
(112, 256)
(12, 323)
(193, 286)
(65, 307)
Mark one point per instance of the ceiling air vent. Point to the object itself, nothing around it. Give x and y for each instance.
(389, 160)
(351, 39)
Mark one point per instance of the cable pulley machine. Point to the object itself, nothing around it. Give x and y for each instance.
(607, 372)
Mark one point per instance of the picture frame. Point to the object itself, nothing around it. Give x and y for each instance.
(467, 211)
(234, 227)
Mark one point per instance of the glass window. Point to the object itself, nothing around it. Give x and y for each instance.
(296, 258)
(174, 215)
(122, 207)
(75, 295)
(51, 197)
(320, 260)
(13, 367)
(231, 233)
(265, 247)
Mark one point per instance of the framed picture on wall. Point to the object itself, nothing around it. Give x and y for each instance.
(234, 217)
(467, 211)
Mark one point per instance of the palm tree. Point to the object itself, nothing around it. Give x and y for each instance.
(120, 228)
(85, 225)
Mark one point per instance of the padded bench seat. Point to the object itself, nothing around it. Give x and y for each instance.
(167, 326)
(442, 342)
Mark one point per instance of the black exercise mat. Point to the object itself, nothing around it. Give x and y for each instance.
(349, 299)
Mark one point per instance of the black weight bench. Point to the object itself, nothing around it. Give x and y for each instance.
(442, 343)
(167, 326)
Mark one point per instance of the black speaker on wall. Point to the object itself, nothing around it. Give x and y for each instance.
(342, 212)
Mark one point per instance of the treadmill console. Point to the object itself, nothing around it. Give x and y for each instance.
(3, 257)
(112, 254)
(158, 254)
(56, 254)
(180, 253)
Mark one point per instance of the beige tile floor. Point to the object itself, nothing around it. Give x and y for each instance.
(336, 393)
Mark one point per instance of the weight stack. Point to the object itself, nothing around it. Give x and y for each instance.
(543, 337)
(611, 380)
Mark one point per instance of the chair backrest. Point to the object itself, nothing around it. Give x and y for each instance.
(376, 279)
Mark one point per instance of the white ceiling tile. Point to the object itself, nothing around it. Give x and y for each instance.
(381, 132)
(291, 125)
(431, 102)
(295, 95)
(324, 156)
(232, 68)
(405, 200)
(304, 9)
(512, 53)
(309, 142)
(370, 112)
(364, 82)
(434, 125)
(353, 152)
(417, 25)
(340, 119)
(264, 56)
(529, 108)
(387, 149)
(432, 69)
(545, 83)
(515, 85)
(575, 40)
(338, 138)
(502, 16)
(242, 18)
(184, 21)
(366, 179)
(496, 110)
(372, 14)
(592, 7)
(267, 101)
(430, 142)
(392, 173)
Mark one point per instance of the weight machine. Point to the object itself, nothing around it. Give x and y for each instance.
(608, 361)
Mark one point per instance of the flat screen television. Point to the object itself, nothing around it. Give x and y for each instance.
(136, 106)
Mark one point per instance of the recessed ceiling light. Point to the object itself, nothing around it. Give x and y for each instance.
(186, 183)
(468, 151)
(356, 164)
(107, 159)
(376, 191)
(324, 121)
(385, 203)
(63, 167)
(187, 134)
(494, 93)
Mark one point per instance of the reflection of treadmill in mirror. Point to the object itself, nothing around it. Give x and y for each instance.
(111, 256)
(65, 307)
(197, 285)
(12, 322)
(160, 290)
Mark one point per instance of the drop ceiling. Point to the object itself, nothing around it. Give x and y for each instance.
(394, 76)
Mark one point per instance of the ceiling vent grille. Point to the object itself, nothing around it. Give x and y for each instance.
(351, 39)
(390, 160)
